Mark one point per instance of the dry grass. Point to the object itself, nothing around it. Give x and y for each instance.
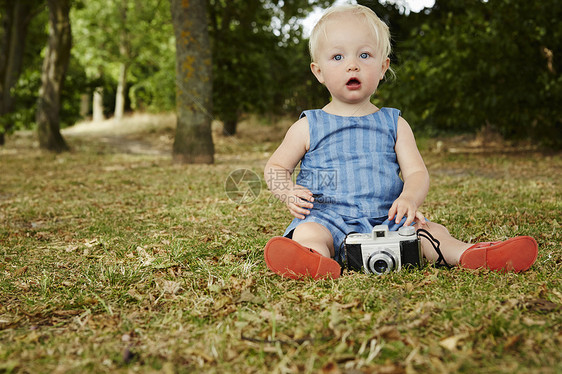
(117, 260)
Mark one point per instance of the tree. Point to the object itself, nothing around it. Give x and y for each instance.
(256, 55)
(124, 51)
(193, 141)
(14, 21)
(474, 64)
(126, 47)
(55, 64)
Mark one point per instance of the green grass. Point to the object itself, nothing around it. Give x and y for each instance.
(120, 262)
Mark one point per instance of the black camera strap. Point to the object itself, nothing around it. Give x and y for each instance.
(436, 244)
(341, 255)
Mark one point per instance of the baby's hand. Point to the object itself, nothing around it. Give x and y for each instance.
(405, 207)
(299, 201)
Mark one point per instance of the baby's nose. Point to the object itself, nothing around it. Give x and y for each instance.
(352, 66)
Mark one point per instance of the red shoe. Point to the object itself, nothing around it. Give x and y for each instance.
(289, 259)
(515, 254)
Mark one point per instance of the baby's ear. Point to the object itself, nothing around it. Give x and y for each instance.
(315, 68)
(385, 66)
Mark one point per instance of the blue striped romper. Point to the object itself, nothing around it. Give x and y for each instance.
(352, 166)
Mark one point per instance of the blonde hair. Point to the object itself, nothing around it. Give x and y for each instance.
(380, 29)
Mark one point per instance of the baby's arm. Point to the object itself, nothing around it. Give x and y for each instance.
(415, 175)
(281, 166)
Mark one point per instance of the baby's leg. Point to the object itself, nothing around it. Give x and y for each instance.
(451, 248)
(514, 254)
(306, 255)
(316, 236)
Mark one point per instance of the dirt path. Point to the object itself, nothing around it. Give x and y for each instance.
(137, 134)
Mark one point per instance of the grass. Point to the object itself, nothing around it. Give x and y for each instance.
(113, 259)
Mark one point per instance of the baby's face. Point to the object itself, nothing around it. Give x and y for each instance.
(348, 61)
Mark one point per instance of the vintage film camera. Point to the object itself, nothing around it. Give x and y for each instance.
(383, 251)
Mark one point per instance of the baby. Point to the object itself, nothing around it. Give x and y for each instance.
(352, 154)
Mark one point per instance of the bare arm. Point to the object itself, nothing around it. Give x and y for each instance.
(415, 175)
(281, 165)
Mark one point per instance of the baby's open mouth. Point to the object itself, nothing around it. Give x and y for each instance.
(352, 82)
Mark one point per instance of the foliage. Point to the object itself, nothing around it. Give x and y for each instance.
(25, 97)
(257, 50)
(461, 65)
(127, 263)
(138, 33)
(152, 84)
(26, 89)
(75, 85)
(152, 74)
(474, 64)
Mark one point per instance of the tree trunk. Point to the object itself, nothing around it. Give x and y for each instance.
(120, 95)
(97, 105)
(55, 64)
(124, 51)
(14, 21)
(84, 105)
(229, 127)
(193, 142)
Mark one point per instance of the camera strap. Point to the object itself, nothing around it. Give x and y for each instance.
(436, 244)
(341, 255)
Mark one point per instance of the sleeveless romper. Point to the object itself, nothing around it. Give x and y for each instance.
(353, 170)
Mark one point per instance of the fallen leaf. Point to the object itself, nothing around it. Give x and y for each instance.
(348, 305)
(23, 286)
(92, 243)
(451, 342)
(9, 366)
(8, 321)
(201, 354)
(168, 286)
(145, 258)
(21, 271)
(168, 368)
(68, 312)
(409, 287)
(557, 294)
(531, 322)
(422, 321)
(292, 297)
(71, 248)
(541, 305)
(511, 341)
(268, 315)
(391, 369)
(222, 301)
(389, 333)
(331, 368)
(134, 294)
(248, 297)
(32, 337)
(38, 224)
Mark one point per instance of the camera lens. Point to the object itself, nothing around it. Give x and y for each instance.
(380, 266)
(381, 262)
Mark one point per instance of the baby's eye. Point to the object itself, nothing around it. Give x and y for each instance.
(338, 57)
(364, 55)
